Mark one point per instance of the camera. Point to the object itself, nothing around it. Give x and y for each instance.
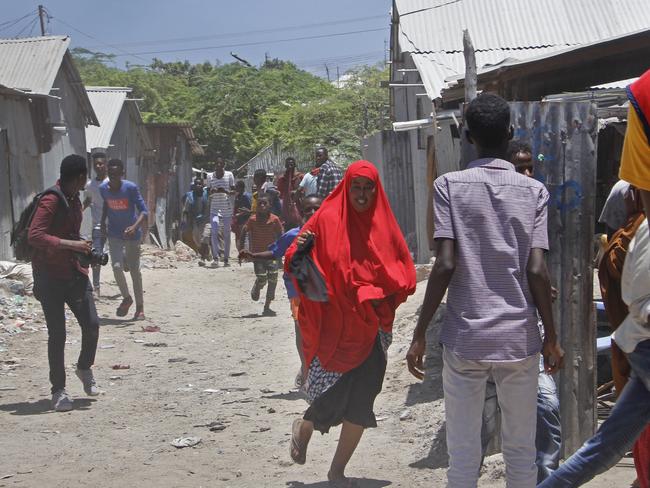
(97, 257)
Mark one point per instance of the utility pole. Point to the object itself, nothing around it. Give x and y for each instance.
(327, 70)
(41, 16)
(338, 78)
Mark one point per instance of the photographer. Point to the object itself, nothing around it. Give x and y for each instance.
(60, 279)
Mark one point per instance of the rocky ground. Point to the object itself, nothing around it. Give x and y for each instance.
(216, 370)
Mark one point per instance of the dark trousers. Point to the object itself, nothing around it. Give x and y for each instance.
(77, 293)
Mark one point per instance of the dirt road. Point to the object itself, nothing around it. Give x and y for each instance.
(215, 363)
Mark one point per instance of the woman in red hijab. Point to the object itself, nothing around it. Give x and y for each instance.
(363, 258)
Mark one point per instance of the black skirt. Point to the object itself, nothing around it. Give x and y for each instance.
(352, 397)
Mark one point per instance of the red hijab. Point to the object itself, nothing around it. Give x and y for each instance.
(363, 257)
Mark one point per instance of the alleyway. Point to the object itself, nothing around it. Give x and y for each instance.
(214, 363)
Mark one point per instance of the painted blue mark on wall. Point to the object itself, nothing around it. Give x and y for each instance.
(567, 196)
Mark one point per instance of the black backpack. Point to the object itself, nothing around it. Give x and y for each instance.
(20, 233)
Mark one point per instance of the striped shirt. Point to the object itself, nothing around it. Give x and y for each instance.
(262, 233)
(220, 203)
(496, 216)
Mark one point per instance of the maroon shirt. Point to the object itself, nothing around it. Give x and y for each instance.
(51, 223)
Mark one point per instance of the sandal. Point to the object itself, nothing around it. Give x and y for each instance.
(301, 457)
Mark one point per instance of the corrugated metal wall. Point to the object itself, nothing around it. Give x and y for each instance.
(272, 158)
(20, 166)
(391, 154)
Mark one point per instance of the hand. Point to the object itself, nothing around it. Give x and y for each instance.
(302, 238)
(245, 255)
(130, 231)
(375, 303)
(82, 247)
(415, 357)
(553, 356)
(554, 293)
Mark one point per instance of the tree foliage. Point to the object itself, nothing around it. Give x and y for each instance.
(238, 110)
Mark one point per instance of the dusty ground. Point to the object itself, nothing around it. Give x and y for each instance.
(214, 360)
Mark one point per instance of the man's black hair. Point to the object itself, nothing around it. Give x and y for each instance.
(116, 163)
(240, 183)
(72, 167)
(488, 120)
(259, 172)
(98, 155)
(324, 149)
(515, 147)
(290, 158)
(312, 195)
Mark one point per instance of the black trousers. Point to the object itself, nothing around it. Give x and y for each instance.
(77, 293)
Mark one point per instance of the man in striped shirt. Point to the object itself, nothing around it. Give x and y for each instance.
(221, 189)
(491, 232)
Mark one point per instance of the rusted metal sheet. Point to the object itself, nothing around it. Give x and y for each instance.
(563, 137)
(391, 154)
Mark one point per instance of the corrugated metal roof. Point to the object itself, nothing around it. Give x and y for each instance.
(107, 104)
(506, 28)
(31, 64)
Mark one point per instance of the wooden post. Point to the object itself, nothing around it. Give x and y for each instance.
(432, 173)
(468, 152)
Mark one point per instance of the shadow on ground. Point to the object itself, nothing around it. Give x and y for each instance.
(437, 457)
(43, 406)
(291, 395)
(361, 483)
(430, 389)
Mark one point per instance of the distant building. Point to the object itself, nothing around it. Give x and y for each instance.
(122, 133)
(168, 175)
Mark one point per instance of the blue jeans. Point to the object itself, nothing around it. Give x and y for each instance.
(548, 440)
(617, 434)
(548, 436)
(99, 241)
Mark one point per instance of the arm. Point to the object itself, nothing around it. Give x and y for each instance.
(242, 237)
(103, 219)
(437, 285)
(142, 216)
(247, 255)
(540, 288)
(39, 236)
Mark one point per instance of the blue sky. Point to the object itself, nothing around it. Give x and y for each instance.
(210, 30)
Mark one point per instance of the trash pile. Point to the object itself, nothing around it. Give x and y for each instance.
(18, 314)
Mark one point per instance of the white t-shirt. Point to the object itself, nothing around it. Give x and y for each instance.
(310, 184)
(635, 291)
(96, 200)
(220, 203)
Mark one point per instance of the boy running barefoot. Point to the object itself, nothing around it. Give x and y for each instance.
(263, 229)
(276, 252)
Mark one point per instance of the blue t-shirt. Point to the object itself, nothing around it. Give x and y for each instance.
(122, 208)
(278, 248)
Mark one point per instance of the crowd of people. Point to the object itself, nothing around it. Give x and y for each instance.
(347, 269)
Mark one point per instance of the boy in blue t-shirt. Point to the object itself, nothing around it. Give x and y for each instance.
(126, 212)
(310, 205)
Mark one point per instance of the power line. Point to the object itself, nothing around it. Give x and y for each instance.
(125, 53)
(246, 33)
(30, 25)
(257, 43)
(14, 22)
